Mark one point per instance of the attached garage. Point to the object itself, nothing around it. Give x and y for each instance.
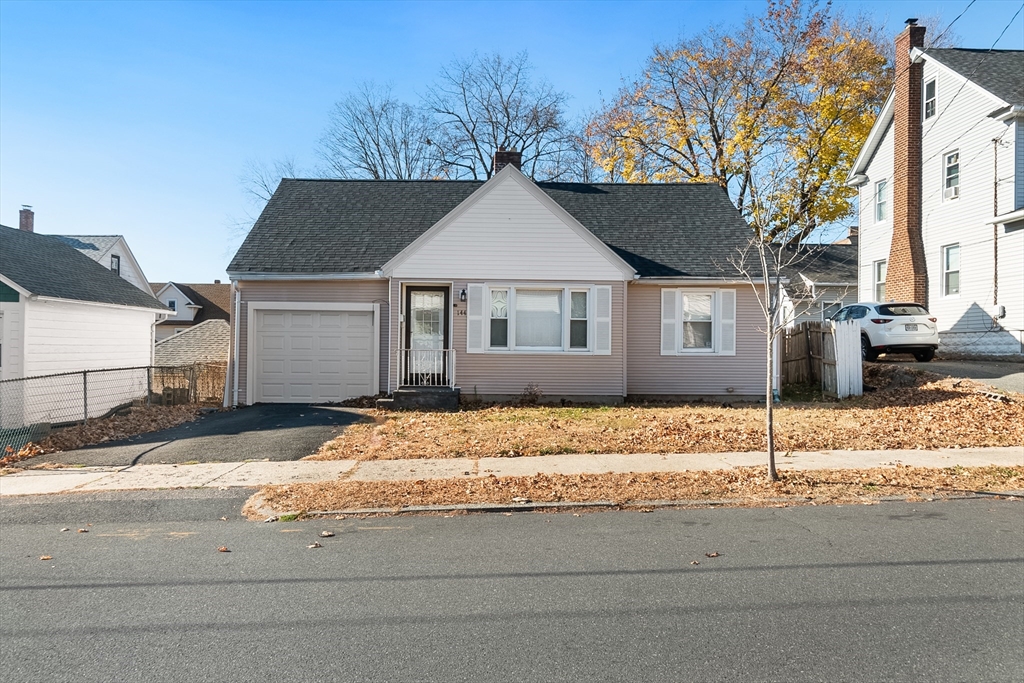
(312, 353)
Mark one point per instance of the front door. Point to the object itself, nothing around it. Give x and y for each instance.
(425, 359)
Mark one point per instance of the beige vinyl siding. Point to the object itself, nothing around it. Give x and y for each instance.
(557, 374)
(311, 291)
(650, 373)
(508, 233)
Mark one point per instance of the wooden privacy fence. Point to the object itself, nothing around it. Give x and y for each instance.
(824, 353)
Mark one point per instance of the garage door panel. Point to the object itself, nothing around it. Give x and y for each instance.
(313, 356)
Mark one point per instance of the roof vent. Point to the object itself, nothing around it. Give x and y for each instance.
(912, 21)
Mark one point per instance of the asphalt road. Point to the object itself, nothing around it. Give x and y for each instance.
(272, 432)
(889, 592)
(1005, 375)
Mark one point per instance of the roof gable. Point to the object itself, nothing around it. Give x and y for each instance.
(999, 73)
(47, 266)
(509, 228)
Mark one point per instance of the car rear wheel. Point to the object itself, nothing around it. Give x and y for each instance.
(866, 352)
(924, 356)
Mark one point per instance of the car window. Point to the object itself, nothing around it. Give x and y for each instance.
(841, 315)
(858, 312)
(902, 309)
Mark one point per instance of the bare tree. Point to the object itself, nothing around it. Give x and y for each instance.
(373, 135)
(488, 102)
(260, 179)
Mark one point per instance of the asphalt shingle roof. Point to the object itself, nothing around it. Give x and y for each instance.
(824, 263)
(356, 226)
(206, 342)
(214, 298)
(92, 246)
(1001, 72)
(48, 266)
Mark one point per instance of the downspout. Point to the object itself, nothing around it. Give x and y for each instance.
(391, 315)
(238, 325)
(995, 226)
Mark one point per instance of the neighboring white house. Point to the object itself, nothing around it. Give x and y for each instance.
(190, 305)
(941, 191)
(110, 251)
(63, 312)
(821, 281)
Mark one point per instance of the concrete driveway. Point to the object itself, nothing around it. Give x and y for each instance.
(1004, 375)
(272, 432)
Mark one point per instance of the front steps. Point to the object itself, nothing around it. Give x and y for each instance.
(440, 399)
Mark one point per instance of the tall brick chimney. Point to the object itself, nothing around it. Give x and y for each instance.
(504, 157)
(907, 275)
(26, 219)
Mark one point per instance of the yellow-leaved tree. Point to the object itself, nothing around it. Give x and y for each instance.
(775, 112)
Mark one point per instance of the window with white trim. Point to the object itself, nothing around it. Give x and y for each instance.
(115, 263)
(698, 321)
(538, 319)
(881, 268)
(172, 304)
(951, 175)
(881, 200)
(929, 99)
(951, 270)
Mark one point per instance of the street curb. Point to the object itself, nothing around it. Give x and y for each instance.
(642, 505)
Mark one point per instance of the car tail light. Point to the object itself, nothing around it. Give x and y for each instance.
(934, 320)
(881, 321)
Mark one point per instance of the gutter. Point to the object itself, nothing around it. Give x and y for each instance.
(242, 276)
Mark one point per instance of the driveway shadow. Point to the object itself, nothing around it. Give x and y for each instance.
(261, 432)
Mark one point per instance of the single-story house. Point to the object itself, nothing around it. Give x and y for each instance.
(822, 278)
(190, 304)
(585, 291)
(62, 312)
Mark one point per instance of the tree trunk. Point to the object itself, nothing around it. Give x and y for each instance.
(769, 397)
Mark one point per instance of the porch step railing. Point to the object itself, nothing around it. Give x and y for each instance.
(426, 367)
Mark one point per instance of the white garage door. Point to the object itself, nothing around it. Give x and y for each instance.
(313, 356)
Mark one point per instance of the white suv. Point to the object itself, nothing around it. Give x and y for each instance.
(893, 328)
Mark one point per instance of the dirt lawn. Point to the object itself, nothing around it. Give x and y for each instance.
(910, 410)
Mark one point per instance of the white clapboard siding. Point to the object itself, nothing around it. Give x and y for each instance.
(64, 336)
(12, 337)
(508, 233)
(875, 236)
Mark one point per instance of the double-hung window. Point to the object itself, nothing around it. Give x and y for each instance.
(881, 201)
(951, 270)
(951, 175)
(172, 304)
(538, 318)
(880, 270)
(698, 321)
(929, 99)
(115, 264)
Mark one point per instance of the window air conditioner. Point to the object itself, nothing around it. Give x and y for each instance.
(952, 192)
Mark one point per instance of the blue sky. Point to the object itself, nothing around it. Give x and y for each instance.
(137, 118)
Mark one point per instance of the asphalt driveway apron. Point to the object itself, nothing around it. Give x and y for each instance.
(271, 432)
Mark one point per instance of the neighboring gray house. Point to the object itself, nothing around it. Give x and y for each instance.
(588, 291)
(822, 279)
(941, 194)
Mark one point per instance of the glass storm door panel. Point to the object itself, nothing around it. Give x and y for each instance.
(427, 333)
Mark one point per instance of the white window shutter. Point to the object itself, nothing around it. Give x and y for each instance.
(727, 321)
(669, 324)
(603, 320)
(475, 319)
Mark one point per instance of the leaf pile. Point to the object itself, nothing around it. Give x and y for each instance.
(747, 485)
(136, 420)
(912, 410)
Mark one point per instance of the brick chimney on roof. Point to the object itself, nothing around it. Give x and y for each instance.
(907, 275)
(504, 157)
(26, 219)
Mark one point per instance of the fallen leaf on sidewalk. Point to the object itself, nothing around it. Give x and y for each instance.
(65, 529)
(326, 534)
(714, 554)
(83, 531)
(223, 519)
(46, 557)
(223, 549)
(695, 562)
(314, 544)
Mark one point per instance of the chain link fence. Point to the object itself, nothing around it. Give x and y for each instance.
(30, 407)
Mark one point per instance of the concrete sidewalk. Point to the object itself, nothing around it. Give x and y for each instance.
(254, 474)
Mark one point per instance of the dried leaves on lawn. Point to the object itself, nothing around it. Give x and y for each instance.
(136, 420)
(743, 485)
(911, 410)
